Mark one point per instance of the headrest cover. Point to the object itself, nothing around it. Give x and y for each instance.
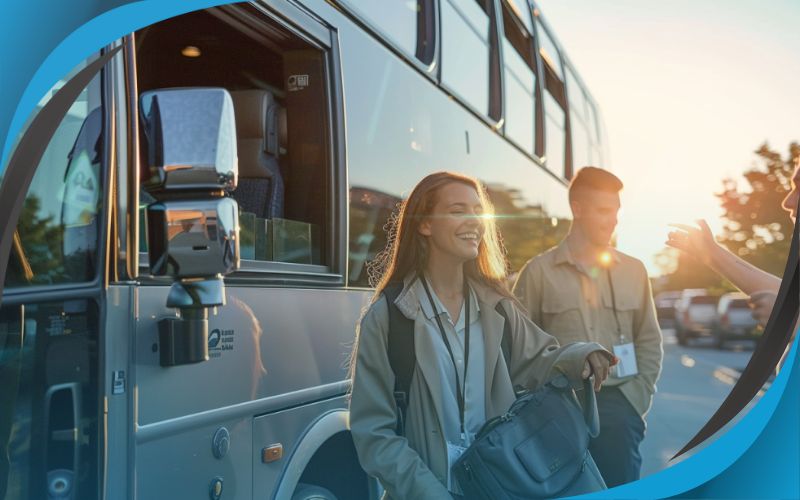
(251, 108)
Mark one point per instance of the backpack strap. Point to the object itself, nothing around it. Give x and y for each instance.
(505, 346)
(402, 356)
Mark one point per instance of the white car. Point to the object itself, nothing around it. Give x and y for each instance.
(734, 320)
(695, 313)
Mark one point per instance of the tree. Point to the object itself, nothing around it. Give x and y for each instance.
(755, 226)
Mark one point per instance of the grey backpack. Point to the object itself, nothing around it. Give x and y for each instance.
(538, 449)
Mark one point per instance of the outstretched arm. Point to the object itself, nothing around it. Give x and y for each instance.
(699, 242)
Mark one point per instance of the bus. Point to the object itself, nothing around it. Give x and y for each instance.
(195, 248)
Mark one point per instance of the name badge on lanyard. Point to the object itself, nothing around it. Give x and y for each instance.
(626, 356)
(624, 350)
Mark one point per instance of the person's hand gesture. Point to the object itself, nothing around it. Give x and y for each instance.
(599, 363)
(762, 304)
(698, 242)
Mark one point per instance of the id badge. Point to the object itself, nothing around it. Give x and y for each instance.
(454, 452)
(626, 354)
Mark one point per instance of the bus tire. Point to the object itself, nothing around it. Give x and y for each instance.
(312, 492)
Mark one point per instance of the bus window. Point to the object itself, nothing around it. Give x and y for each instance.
(579, 125)
(466, 46)
(581, 147)
(56, 236)
(549, 52)
(519, 9)
(402, 22)
(594, 125)
(555, 105)
(278, 85)
(555, 134)
(520, 80)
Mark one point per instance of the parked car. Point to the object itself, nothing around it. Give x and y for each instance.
(665, 307)
(734, 320)
(681, 303)
(695, 313)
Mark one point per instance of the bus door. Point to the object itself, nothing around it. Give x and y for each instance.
(51, 430)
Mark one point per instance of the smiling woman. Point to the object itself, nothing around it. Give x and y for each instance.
(418, 402)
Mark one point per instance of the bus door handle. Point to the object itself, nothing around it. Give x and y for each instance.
(62, 439)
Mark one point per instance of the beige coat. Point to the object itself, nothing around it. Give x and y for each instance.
(414, 466)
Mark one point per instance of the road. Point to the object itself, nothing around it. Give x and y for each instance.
(694, 382)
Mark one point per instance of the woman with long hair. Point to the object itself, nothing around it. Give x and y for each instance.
(445, 270)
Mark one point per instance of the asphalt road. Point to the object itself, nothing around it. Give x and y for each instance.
(694, 382)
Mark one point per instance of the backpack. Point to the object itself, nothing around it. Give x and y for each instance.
(403, 357)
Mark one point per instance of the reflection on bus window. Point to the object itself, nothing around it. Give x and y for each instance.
(581, 149)
(527, 229)
(581, 141)
(555, 140)
(593, 123)
(396, 19)
(370, 212)
(56, 236)
(465, 51)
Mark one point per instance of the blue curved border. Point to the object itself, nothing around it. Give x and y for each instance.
(742, 443)
(757, 458)
(770, 468)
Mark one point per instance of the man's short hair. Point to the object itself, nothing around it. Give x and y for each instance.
(593, 178)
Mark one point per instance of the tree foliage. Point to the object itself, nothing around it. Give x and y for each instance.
(755, 225)
(526, 230)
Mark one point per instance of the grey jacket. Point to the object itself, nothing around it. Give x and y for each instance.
(415, 465)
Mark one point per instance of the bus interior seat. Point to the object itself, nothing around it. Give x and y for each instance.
(260, 188)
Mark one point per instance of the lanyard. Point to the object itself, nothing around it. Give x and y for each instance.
(614, 303)
(461, 391)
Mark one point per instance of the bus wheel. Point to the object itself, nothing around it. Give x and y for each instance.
(312, 492)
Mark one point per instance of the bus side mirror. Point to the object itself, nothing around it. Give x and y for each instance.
(193, 228)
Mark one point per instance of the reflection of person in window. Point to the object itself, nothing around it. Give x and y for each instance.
(762, 287)
(446, 256)
(81, 195)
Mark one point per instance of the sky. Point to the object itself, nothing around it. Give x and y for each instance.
(688, 90)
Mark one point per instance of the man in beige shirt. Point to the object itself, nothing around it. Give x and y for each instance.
(584, 290)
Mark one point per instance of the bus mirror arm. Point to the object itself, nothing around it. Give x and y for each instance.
(184, 340)
(193, 227)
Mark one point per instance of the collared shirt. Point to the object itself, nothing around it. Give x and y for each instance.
(474, 407)
(575, 304)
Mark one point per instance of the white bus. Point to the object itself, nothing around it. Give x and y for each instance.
(130, 367)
